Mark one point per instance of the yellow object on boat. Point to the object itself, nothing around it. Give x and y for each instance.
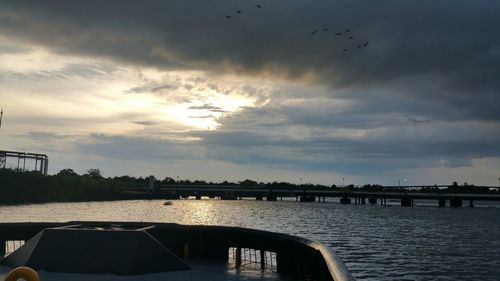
(23, 272)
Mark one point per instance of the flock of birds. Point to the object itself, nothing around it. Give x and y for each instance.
(346, 33)
(241, 12)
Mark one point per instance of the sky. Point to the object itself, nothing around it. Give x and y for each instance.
(326, 92)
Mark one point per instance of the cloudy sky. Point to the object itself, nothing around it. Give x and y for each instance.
(175, 88)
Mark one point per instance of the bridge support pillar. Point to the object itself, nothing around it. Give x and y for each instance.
(2, 248)
(471, 203)
(406, 201)
(237, 258)
(455, 202)
(262, 259)
(307, 198)
(271, 198)
(442, 202)
(383, 201)
(363, 201)
(345, 200)
(372, 200)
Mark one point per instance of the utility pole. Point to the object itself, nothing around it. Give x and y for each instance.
(3, 157)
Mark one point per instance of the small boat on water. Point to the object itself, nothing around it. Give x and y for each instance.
(141, 251)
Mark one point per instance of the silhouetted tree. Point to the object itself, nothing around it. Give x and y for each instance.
(94, 173)
(248, 183)
(67, 173)
(168, 180)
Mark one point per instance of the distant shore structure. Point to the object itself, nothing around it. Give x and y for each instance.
(41, 160)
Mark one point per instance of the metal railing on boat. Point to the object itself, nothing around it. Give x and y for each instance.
(265, 250)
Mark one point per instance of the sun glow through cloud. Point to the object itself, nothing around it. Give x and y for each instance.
(106, 95)
(204, 114)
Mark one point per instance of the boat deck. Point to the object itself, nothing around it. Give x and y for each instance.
(201, 271)
(212, 252)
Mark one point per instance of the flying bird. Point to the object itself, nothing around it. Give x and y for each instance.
(352, 37)
(228, 17)
(366, 44)
(346, 50)
(359, 46)
(325, 29)
(338, 33)
(314, 32)
(239, 11)
(347, 30)
(258, 6)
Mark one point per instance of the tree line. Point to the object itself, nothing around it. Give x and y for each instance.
(18, 187)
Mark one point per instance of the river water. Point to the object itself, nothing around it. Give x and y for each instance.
(376, 242)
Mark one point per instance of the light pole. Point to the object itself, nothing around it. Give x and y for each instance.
(1, 115)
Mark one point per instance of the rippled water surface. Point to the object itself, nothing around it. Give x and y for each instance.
(376, 242)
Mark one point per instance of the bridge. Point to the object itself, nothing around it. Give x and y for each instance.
(407, 198)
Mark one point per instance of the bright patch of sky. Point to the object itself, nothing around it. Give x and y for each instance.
(105, 97)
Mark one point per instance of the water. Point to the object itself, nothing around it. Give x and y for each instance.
(376, 242)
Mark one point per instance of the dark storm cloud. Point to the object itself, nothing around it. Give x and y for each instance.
(406, 38)
(208, 107)
(321, 136)
(154, 88)
(47, 136)
(344, 154)
(201, 117)
(416, 120)
(453, 45)
(67, 71)
(136, 148)
(39, 120)
(145, 123)
(321, 113)
(7, 49)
